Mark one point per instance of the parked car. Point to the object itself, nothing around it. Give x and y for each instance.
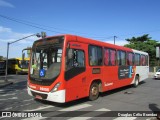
(157, 74)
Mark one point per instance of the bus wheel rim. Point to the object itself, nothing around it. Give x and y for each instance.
(94, 91)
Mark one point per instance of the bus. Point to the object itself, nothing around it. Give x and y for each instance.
(18, 65)
(68, 67)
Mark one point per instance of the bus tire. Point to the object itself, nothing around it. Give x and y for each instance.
(94, 91)
(136, 82)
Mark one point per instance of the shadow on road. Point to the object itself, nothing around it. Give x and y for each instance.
(155, 109)
(110, 92)
(83, 100)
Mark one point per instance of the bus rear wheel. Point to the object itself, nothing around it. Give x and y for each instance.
(94, 91)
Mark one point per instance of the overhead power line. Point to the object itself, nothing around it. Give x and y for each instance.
(47, 28)
(28, 24)
(59, 30)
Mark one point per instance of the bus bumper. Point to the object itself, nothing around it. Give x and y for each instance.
(58, 96)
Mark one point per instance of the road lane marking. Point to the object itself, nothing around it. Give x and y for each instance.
(77, 107)
(80, 118)
(28, 100)
(13, 98)
(125, 118)
(102, 109)
(8, 108)
(40, 108)
(25, 104)
(35, 118)
(8, 94)
(86, 118)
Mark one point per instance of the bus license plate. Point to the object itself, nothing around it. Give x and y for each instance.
(38, 97)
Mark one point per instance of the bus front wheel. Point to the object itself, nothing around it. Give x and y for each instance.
(136, 82)
(94, 91)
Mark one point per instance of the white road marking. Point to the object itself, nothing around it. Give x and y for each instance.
(86, 118)
(103, 109)
(27, 100)
(8, 108)
(125, 118)
(8, 94)
(80, 118)
(40, 108)
(25, 104)
(77, 107)
(35, 118)
(13, 98)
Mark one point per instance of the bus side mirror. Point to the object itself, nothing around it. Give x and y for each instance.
(23, 56)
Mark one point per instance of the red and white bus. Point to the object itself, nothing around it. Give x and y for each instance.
(67, 67)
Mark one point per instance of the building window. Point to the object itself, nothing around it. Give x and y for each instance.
(95, 55)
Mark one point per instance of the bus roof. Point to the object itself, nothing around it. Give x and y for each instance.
(95, 42)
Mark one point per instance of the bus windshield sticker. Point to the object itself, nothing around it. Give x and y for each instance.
(42, 73)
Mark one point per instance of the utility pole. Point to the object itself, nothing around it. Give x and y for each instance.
(114, 39)
(37, 34)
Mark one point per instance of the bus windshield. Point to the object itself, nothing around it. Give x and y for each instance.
(23, 64)
(46, 60)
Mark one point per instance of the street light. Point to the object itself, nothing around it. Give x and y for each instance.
(43, 34)
(114, 39)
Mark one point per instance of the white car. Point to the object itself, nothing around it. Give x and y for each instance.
(157, 74)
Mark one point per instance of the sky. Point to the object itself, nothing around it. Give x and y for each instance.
(95, 19)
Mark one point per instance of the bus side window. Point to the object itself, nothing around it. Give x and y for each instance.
(137, 59)
(130, 59)
(109, 57)
(146, 60)
(75, 58)
(121, 58)
(143, 60)
(106, 57)
(95, 55)
(113, 57)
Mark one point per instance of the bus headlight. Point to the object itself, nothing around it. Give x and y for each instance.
(56, 87)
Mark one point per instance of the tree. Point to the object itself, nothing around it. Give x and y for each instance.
(146, 44)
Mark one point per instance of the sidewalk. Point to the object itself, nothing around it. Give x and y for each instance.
(151, 75)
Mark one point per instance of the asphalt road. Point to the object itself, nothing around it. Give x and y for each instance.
(146, 97)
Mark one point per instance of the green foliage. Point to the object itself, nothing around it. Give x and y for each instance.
(146, 44)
